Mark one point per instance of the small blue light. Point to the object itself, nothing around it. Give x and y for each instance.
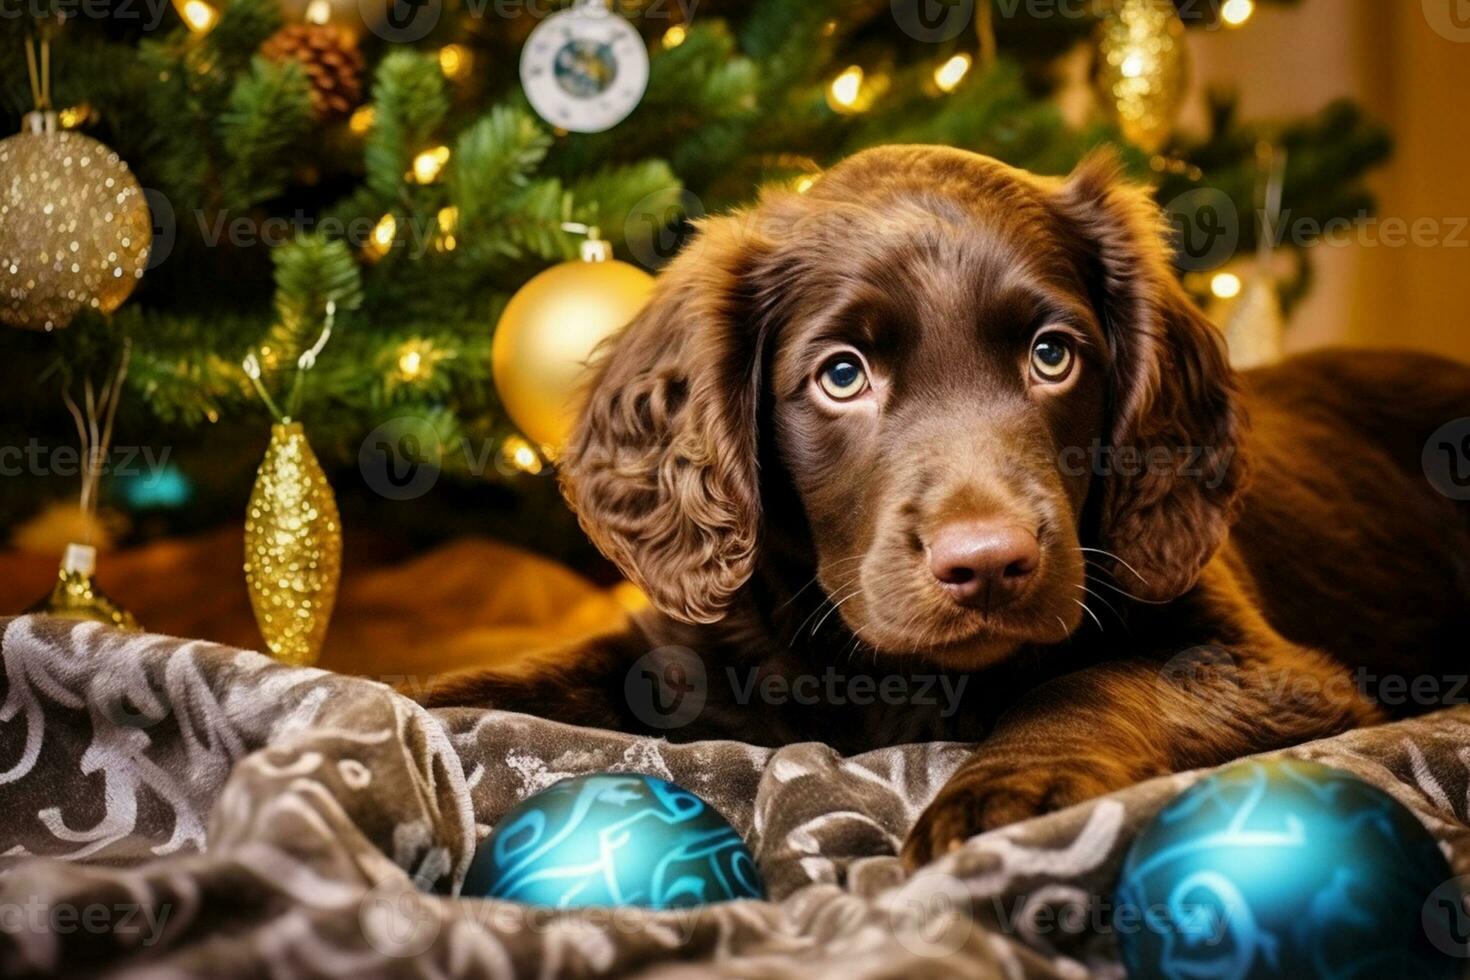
(163, 488)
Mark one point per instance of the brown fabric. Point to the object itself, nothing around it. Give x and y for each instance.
(470, 603)
(222, 815)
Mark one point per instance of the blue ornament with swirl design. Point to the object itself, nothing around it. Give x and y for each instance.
(609, 839)
(1290, 869)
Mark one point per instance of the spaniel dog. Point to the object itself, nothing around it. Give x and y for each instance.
(938, 425)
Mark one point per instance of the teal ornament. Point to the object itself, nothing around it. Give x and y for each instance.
(1288, 869)
(610, 839)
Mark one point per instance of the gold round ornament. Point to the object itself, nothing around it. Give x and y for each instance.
(76, 595)
(548, 332)
(1142, 69)
(74, 226)
(293, 547)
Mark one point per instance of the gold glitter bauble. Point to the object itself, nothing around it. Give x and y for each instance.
(76, 596)
(1142, 68)
(74, 227)
(293, 547)
(547, 333)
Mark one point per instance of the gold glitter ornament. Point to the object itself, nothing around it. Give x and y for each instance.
(76, 596)
(293, 547)
(74, 226)
(1142, 67)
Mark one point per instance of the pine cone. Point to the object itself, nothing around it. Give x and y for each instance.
(332, 62)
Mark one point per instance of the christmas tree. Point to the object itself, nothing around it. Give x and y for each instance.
(387, 162)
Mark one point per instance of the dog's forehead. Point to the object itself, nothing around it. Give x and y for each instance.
(927, 242)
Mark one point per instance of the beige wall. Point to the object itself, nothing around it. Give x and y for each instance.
(1386, 55)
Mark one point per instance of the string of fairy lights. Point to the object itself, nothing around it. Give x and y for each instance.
(1139, 56)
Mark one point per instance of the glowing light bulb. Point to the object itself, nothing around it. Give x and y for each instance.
(846, 90)
(1225, 285)
(426, 165)
(521, 455)
(410, 363)
(1237, 12)
(455, 61)
(362, 120)
(675, 36)
(318, 12)
(200, 16)
(949, 75)
(381, 239)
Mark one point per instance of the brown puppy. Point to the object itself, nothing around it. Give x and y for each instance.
(941, 419)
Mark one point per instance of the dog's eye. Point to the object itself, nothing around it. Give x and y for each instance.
(1052, 357)
(843, 377)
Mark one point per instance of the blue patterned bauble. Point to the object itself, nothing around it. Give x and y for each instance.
(614, 839)
(1289, 869)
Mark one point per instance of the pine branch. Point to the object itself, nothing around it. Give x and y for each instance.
(269, 110)
(310, 272)
(609, 197)
(409, 105)
(494, 155)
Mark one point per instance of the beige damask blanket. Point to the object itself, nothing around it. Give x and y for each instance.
(181, 809)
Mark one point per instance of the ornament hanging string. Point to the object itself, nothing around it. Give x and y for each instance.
(94, 421)
(304, 363)
(38, 67)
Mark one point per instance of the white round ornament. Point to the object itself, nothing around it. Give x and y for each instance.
(584, 69)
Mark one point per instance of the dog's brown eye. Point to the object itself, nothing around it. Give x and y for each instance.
(843, 377)
(1052, 357)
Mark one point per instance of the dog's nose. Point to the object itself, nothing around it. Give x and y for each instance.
(984, 564)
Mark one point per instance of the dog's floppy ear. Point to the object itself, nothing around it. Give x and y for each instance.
(1173, 481)
(661, 466)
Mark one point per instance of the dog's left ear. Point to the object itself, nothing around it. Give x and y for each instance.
(1176, 473)
(661, 465)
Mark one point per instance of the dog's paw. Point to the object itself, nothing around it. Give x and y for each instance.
(989, 793)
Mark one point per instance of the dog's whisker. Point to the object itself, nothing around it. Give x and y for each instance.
(826, 600)
(1110, 607)
(1090, 613)
(1126, 594)
(813, 580)
(1109, 554)
(835, 606)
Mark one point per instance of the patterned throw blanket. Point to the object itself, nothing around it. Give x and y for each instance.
(182, 809)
